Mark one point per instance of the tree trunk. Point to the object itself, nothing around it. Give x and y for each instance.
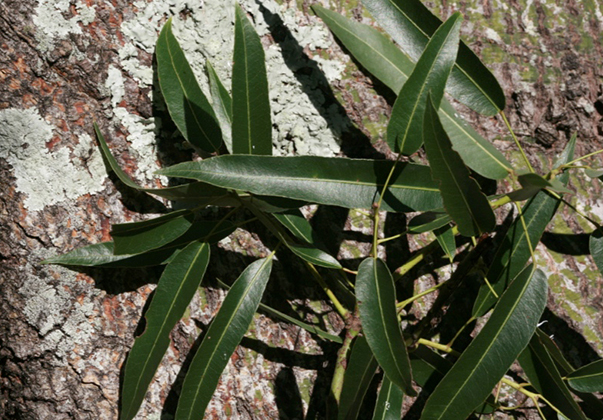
(66, 64)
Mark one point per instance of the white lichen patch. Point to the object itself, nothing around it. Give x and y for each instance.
(51, 24)
(208, 33)
(40, 174)
(61, 320)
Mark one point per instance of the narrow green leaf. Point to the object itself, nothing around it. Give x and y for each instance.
(588, 378)
(389, 401)
(428, 77)
(139, 237)
(514, 252)
(463, 199)
(312, 329)
(445, 238)
(411, 25)
(595, 244)
(486, 360)
(350, 183)
(174, 292)
(195, 192)
(533, 183)
(222, 103)
(186, 102)
(224, 334)
(376, 296)
(545, 378)
(428, 221)
(298, 225)
(251, 124)
(377, 54)
(359, 373)
(313, 255)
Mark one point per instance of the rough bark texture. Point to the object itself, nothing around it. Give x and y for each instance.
(65, 334)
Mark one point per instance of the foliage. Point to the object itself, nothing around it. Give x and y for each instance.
(241, 175)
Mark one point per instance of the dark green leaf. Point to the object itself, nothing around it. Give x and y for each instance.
(486, 360)
(588, 378)
(195, 192)
(515, 250)
(428, 221)
(377, 54)
(222, 104)
(389, 401)
(411, 25)
(596, 248)
(222, 337)
(101, 255)
(313, 255)
(350, 183)
(545, 378)
(463, 199)
(445, 238)
(533, 183)
(428, 78)
(377, 306)
(359, 373)
(298, 225)
(139, 237)
(251, 125)
(188, 106)
(175, 289)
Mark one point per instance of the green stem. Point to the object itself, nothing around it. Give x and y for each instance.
(403, 304)
(341, 362)
(336, 303)
(516, 140)
(582, 158)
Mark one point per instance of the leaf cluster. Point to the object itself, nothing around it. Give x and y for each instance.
(441, 191)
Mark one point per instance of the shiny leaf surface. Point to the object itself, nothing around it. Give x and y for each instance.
(222, 104)
(350, 183)
(389, 401)
(175, 289)
(588, 378)
(377, 306)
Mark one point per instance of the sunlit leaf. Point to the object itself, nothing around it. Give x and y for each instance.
(361, 368)
(377, 54)
(221, 339)
(377, 306)
(389, 401)
(251, 124)
(222, 104)
(596, 248)
(411, 25)
(174, 292)
(447, 241)
(428, 221)
(588, 378)
(514, 251)
(196, 192)
(486, 360)
(350, 183)
(298, 225)
(139, 237)
(186, 102)
(463, 199)
(545, 378)
(428, 78)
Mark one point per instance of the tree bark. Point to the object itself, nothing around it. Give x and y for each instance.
(64, 65)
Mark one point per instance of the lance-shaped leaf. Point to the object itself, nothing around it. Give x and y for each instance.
(359, 373)
(463, 199)
(411, 25)
(222, 104)
(595, 244)
(222, 337)
(545, 378)
(445, 238)
(515, 250)
(428, 221)
(350, 183)
(139, 237)
(486, 360)
(377, 54)
(175, 289)
(298, 225)
(195, 192)
(251, 125)
(376, 296)
(428, 77)
(588, 378)
(186, 102)
(389, 401)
